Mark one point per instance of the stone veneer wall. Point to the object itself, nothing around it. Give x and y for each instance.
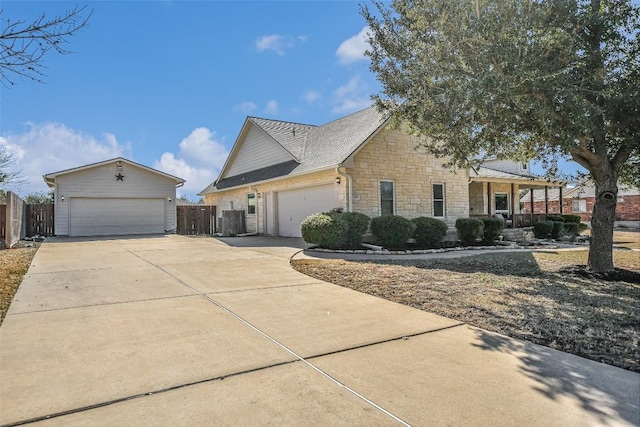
(391, 155)
(478, 198)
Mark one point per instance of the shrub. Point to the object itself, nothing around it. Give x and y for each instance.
(572, 218)
(429, 231)
(557, 230)
(357, 224)
(324, 230)
(582, 227)
(543, 229)
(492, 229)
(555, 218)
(571, 228)
(469, 230)
(392, 231)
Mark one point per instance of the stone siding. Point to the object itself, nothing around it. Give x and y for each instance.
(391, 156)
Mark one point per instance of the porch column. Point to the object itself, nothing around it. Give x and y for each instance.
(560, 198)
(546, 200)
(531, 197)
(513, 205)
(488, 198)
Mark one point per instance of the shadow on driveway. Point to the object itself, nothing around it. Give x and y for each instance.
(560, 377)
(264, 242)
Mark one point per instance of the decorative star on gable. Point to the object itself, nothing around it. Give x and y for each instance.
(120, 177)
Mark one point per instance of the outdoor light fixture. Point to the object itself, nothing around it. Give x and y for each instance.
(338, 180)
(62, 198)
(169, 199)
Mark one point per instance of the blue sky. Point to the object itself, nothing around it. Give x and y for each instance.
(169, 83)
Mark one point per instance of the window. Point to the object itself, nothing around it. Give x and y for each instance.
(524, 166)
(579, 206)
(386, 198)
(438, 200)
(502, 203)
(251, 204)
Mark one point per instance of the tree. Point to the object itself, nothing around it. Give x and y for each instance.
(8, 175)
(39, 198)
(519, 79)
(23, 46)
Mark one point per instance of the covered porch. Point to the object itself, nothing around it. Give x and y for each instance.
(494, 192)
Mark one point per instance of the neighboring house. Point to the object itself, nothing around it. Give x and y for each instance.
(281, 172)
(579, 200)
(113, 197)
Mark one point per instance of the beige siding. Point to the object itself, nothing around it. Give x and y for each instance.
(257, 150)
(391, 156)
(100, 181)
(507, 166)
(268, 192)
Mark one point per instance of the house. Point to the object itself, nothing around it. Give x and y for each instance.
(579, 200)
(113, 197)
(280, 172)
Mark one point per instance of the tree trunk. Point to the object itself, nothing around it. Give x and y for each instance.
(602, 219)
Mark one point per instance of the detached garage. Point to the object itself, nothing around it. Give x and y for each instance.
(114, 197)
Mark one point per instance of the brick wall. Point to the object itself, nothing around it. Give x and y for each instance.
(627, 208)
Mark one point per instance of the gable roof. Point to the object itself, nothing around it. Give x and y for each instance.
(50, 178)
(292, 136)
(314, 148)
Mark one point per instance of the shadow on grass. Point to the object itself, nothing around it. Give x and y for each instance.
(604, 391)
(501, 264)
(511, 294)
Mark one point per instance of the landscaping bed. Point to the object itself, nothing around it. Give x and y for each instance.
(523, 295)
(14, 264)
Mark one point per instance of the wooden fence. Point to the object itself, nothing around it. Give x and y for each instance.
(40, 220)
(196, 219)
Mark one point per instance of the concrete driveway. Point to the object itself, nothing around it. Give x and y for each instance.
(171, 330)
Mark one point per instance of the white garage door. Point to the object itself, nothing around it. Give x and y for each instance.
(295, 205)
(108, 217)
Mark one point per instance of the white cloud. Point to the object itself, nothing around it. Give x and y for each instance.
(278, 43)
(272, 107)
(310, 96)
(199, 161)
(352, 96)
(50, 147)
(352, 49)
(246, 107)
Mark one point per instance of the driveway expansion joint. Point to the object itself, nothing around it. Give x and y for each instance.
(281, 345)
(102, 304)
(142, 395)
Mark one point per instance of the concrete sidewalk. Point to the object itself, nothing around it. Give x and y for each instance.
(171, 330)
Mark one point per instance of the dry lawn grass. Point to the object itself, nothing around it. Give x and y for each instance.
(521, 295)
(14, 264)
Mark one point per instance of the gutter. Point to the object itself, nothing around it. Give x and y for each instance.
(349, 189)
(264, 181)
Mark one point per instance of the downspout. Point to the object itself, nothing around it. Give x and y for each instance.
(349, 188)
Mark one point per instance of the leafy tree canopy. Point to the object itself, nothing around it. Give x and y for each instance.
(521, 80)
(516, 79)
